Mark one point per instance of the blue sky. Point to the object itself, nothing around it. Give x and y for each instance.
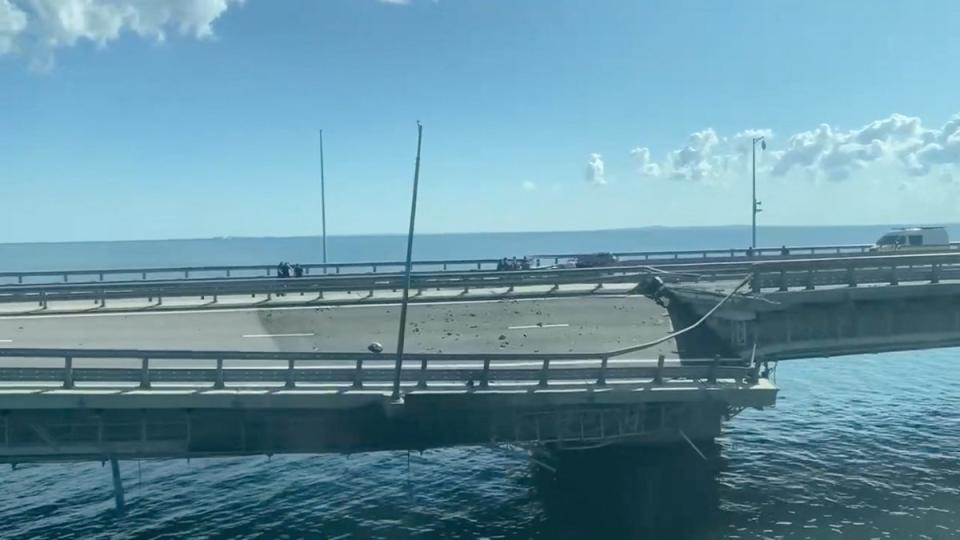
(134, 119)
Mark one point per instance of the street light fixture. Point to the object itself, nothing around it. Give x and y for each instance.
(755, 207)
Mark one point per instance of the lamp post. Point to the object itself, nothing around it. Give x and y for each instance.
(755, 207)
(323, 207)
(406, 286)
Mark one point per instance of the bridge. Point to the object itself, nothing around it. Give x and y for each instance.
(552, 359)
(135, 289)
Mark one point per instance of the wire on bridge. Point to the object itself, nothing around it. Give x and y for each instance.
(682, 331)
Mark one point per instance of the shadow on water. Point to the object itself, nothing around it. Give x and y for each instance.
(638, 493)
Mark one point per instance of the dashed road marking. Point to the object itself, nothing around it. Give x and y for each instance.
(528, 326)
(304, 334)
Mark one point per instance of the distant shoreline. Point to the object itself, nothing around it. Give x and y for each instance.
(658, 228)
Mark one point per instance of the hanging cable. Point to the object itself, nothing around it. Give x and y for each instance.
(672, 335)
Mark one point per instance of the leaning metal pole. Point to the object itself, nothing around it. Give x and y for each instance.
(406, 286)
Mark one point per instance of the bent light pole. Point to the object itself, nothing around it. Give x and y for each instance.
(406, 285)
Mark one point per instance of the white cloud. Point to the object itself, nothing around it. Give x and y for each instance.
(898, 141)
(696, 160)
(527, 185)
(644, 164)
(13, 21)
(595, 173)
(39, 27)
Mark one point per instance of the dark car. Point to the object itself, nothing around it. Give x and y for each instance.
(596, 259)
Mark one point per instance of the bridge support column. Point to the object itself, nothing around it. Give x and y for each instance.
(117, 485)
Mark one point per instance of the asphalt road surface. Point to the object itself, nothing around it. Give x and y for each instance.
(583, 324)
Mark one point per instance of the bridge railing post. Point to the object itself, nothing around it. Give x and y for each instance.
(422, 379)
(485, 374)
(291, 381)
(713, 369)
(218, 380)
(851, 277)
(545, 372)
(755, 281)
(68, 372)
(783, 280)
(658, 378)
(935, 273)
(894, 278)
(358, 374)
(145, 373)
(602, 380)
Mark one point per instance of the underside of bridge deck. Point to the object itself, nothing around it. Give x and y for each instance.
(818, 323)
(555, 419)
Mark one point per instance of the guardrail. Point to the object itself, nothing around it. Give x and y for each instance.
(216, 369)
(853, 271)
(781, 274)
(453, 265)
(101, 292)
(733, 253)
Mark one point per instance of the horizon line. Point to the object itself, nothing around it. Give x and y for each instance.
(474, 233)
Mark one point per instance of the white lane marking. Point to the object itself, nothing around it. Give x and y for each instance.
(6, 341)
(527, 326)
(305, 334)
(188, 311)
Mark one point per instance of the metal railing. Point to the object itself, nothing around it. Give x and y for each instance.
(780, 274)
(853, 271)
(722, 254)
(289, 370)
(464, 281)
(452, 265)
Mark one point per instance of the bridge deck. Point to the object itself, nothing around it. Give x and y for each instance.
(527, 326)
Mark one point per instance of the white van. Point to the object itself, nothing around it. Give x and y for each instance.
(913, 238)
